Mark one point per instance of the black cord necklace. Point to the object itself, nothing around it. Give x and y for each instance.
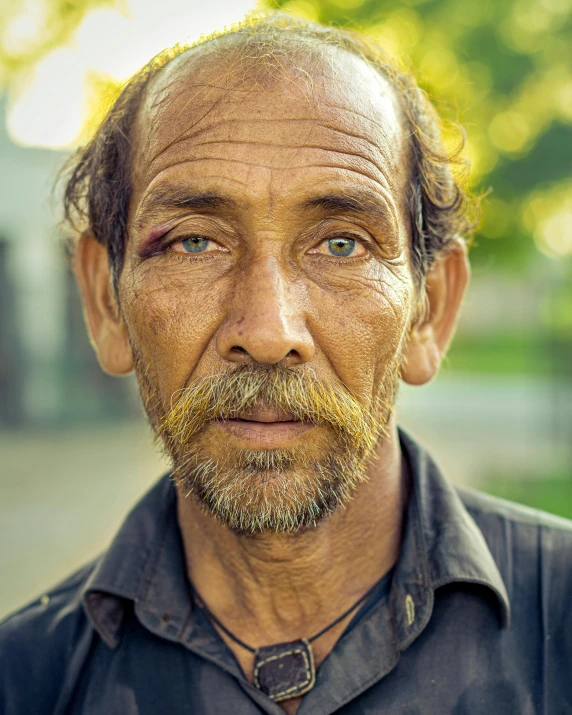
(283, 670)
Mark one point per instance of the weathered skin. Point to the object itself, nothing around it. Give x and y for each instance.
(268, 290)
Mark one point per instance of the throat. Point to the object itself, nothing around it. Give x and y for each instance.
(286, 671)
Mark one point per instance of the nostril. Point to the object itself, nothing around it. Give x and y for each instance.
(238, 349)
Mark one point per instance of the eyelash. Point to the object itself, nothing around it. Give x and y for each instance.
(189, 256)
(355, 237)
(186, 256)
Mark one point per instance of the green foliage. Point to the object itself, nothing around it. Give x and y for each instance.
(552, 493)
(500, 354)
(31, 28)
(504, 69)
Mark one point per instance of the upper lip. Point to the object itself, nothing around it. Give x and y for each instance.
(266, 414)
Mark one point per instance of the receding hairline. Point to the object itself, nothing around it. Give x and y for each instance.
(252, 67)
(266, 58)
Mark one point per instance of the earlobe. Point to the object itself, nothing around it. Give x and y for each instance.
(105, 325)
(429, 337)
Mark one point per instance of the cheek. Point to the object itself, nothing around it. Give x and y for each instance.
(171, 321)
(361, 329)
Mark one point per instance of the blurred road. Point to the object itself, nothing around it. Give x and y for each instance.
(62, 496)
(64, 493)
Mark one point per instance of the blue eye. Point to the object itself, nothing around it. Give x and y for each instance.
(341, 246)
(195, 244)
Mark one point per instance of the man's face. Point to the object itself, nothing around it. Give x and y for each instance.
(268, 236)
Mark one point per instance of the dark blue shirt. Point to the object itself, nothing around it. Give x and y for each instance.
(477, 620)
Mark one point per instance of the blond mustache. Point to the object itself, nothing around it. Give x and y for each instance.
(294, 391)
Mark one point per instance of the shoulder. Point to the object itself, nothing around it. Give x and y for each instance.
(51, 614)
(37, 645)
(492, 513)
(527, 544)
(533, 551)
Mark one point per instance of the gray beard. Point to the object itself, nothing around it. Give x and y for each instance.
(270, 490)
(274, 490)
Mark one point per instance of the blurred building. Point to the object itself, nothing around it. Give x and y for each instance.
(48, 373)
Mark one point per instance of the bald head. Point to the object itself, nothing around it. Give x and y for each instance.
(222, 72)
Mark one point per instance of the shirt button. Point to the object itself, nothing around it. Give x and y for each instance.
(45, 600)
(409, 609)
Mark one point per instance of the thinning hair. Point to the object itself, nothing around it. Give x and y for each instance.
(98, 179)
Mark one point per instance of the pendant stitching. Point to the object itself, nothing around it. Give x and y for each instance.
(299, 689)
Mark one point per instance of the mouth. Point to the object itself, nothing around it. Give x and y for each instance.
(264, 428)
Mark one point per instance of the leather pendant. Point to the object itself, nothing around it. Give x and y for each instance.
(285, 670)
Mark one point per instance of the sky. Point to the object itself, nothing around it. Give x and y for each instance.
(52, 105)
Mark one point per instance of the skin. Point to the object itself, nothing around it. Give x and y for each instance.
(268, 290)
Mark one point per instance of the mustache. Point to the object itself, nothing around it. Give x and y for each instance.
(296, 391)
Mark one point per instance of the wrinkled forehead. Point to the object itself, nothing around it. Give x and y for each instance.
(327, 93)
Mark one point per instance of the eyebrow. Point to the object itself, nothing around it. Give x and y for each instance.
(365, 203)
(168, 197)
(175, 198)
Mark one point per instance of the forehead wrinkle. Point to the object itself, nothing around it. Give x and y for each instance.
(315, 122)
(171, 196)
(378, 175)
(193, 132)
(231, 62)
(171, 76)
(179, 138)
(216, 102)
(356, 112)
(382, 190)
(383, 127)
(192, 135)
(230, 70)
(383, 145)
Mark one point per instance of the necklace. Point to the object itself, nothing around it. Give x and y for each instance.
(283, 670)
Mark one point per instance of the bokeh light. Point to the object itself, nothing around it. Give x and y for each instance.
(110, 42)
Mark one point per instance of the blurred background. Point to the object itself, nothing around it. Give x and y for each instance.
(75, 451)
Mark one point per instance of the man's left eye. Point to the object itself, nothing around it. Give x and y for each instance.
(341, 247)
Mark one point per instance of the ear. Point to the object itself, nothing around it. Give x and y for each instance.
(106, 327)
(445, 286)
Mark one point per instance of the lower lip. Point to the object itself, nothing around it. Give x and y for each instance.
(269, 435)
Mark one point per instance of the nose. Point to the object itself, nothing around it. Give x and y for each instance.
(266, 323)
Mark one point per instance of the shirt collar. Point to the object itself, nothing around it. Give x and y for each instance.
(145, 567)
(441, 545)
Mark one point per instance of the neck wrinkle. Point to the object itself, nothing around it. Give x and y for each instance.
(274, 588)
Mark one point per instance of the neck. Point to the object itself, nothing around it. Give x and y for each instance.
(272, 588)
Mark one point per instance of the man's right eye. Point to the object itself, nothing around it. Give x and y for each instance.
(193, 244)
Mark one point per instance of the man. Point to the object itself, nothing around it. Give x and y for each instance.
(271, 239)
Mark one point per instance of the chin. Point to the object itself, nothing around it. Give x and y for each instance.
(270, 491)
